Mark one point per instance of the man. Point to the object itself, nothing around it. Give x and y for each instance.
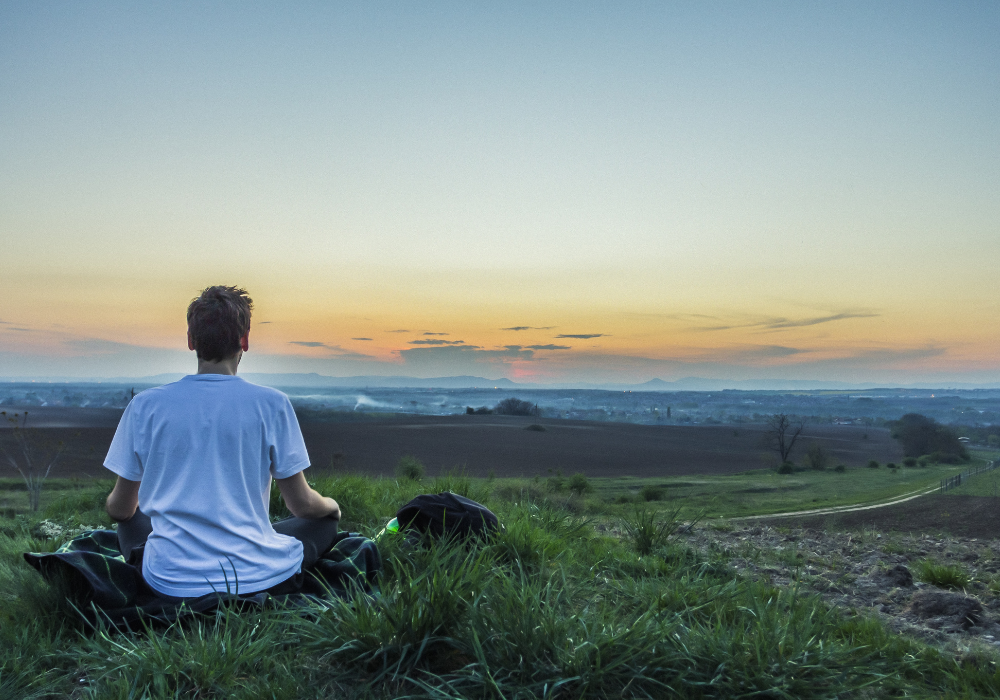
(198, 456)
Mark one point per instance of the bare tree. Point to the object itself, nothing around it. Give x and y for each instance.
(27, 453)
(783, 432)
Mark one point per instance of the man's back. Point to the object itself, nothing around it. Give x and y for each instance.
(205, 449)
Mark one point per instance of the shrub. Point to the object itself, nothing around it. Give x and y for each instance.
(410, 468)
(873, 464)
(948, 458)
(652, 493)
(993, 440)
(910, 462)
(536, 427)
(891, 465)
(516, 407)
(555, 483)
(923, 461)
(786, 468)
(579, 485)
(942, 575)
(840, 469)
(816, 457)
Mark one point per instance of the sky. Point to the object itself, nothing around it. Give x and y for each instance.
(547, 192)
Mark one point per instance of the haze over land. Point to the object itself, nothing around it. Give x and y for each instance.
(553, 194)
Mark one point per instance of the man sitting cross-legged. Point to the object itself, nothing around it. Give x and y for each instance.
(194, 461)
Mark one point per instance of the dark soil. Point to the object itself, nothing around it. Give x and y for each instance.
(960, 516)
(505, 446)
(502, 445)
(872, 572)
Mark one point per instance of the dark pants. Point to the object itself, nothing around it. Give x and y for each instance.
(317, 537)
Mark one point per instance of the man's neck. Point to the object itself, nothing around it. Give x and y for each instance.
(226, 366)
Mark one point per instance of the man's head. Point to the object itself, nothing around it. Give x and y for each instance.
(218, 322)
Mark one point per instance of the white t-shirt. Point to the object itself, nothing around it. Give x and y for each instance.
(204, 449)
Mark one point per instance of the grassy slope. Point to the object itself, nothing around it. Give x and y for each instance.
(549, 609)
(766, 491)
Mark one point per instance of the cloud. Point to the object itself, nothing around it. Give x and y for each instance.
(780, 323)
(528, 328)
(401, 330)
(360, 338)
(549, 347)
(336, 350)
(456, 359)
(582, 336)
(438, 341)
(263, 323)
(429, 333)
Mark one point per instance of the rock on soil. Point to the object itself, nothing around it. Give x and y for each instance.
(869, 572)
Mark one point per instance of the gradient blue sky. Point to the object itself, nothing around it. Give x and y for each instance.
(733, 190)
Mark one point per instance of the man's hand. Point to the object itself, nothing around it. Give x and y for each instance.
(123, 500)
(304, 501)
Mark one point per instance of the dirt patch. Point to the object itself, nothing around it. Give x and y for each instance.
(872, 572)
(961, 516)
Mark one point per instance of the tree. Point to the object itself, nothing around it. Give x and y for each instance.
(782, 433)
(921, 435)
(29, 454)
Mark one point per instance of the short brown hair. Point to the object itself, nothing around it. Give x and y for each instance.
(217, 320)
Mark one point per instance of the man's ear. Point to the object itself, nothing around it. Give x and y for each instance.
(190, 341)
(245, 341)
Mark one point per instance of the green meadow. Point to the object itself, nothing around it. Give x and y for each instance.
(553, 606)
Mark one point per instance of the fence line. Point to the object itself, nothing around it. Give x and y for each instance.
(953, 481)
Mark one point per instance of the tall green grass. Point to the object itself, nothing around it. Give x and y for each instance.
(546, 608)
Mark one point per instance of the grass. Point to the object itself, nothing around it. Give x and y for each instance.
(942, 575)
(985, 484)
(765, 491)
(549, 608)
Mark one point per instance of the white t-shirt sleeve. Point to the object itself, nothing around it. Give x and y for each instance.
(123, 459)
(288, 448)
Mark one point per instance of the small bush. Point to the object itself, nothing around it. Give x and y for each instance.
(516, 407)
(891, 465)
(652, 493)
(816, 457)
(536, 427)
(840, 469)
(786, 468)
(556, 483)
(910, 462)
(942, 575)
(579, 485)
(410, 468)
(873, 464)
(646, 534)
(923, 461)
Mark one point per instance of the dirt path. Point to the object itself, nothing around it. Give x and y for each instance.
(845, 509)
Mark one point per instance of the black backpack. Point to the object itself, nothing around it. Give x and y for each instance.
(447, 514)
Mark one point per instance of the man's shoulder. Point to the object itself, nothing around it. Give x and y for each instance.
(264, 392)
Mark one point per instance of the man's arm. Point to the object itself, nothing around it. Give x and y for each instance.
(123, 500)
(304, 501)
